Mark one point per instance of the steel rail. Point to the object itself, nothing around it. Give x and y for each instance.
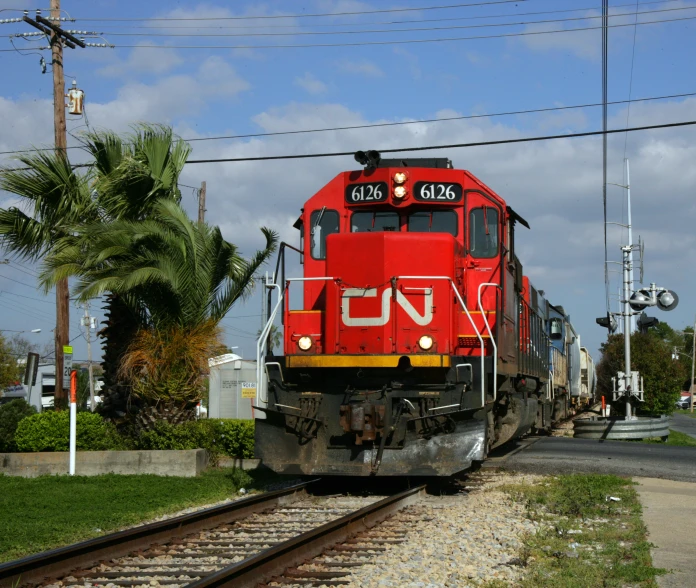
(274, 561)
(63, 560)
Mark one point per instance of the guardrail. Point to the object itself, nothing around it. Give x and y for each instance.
(619, 429)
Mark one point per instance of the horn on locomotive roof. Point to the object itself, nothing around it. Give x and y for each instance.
(369, 159)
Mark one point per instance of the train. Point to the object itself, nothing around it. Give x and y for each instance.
(413, 341)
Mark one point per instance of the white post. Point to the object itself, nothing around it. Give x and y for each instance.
(73, 420)
(627, 329)
(693, 361)
(88, 325)
(632, 321)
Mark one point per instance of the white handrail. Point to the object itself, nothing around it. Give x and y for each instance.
(490, 334)
(261, 343)
(261, 346)
(466, 310)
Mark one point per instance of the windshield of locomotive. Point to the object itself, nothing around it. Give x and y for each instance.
(365, 222)
(436, 221)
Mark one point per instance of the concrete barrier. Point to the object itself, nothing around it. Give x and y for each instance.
(185, 463)
(242, 463)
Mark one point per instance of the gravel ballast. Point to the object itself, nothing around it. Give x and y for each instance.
(458, 540)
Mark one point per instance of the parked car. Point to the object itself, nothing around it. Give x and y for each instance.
(684, 402)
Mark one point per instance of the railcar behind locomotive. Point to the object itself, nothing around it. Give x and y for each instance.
(416, 343)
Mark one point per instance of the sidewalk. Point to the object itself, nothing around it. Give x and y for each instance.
(669, 512)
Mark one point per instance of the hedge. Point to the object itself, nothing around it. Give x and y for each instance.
(49, 431)
(10, 416)
(234, 438)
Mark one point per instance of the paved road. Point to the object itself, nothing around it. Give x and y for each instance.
(684, 424)
(559, 455)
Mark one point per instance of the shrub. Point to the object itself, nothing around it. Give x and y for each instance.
(49, 431)
(234, 438)
(10, 416)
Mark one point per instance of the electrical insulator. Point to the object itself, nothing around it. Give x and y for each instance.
(76, 99)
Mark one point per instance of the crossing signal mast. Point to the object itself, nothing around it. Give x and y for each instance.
(628, 384)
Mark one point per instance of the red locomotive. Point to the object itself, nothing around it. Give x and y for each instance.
(413, 343)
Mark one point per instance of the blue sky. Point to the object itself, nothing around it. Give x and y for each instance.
(213, 91)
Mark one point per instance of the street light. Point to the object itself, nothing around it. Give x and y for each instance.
(15, 331)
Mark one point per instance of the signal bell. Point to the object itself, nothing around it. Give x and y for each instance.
(667, 300)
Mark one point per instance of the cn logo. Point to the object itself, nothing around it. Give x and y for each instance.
(379, 321)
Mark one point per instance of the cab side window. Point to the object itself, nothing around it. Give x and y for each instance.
(322, 223)
(483, 232)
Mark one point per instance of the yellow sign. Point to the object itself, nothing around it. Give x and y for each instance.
(248, 390)
(67, 349)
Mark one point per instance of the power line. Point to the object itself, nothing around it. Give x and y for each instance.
(389, 124)
(390, 22)
(428, 148)
(392, 31)
(319, 15)
(450, 146)
(25, 297)
(400, 42)
(18, 282)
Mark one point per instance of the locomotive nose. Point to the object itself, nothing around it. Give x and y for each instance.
(390, 290)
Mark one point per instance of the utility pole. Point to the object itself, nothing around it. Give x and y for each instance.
(58, 36)
(201, 203)
(87, 322)
(62, 333)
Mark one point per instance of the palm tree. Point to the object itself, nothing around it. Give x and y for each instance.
(129, 176)
(126, 178)
(53, 199)
(181, 277)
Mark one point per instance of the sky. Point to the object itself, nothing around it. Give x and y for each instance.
(218, 69)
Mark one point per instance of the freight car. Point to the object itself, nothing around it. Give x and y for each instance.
(416, 343)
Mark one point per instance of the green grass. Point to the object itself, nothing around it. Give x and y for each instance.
(675, 439)
(612, 550)
(686, 412)
(42, 513)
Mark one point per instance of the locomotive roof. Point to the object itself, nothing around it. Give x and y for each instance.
(431, 162)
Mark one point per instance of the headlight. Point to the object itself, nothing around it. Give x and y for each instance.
(425, 342)
(400, 178)
(399, 192)
(304, 343)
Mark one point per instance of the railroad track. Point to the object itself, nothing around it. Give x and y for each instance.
(237, 544)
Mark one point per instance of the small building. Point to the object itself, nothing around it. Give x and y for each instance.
(41, 394)
(232, 387)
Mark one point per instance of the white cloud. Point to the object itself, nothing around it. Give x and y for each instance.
(310, 84)
(365, 68)
(171, 97)
(555, 185)
(142, 60)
